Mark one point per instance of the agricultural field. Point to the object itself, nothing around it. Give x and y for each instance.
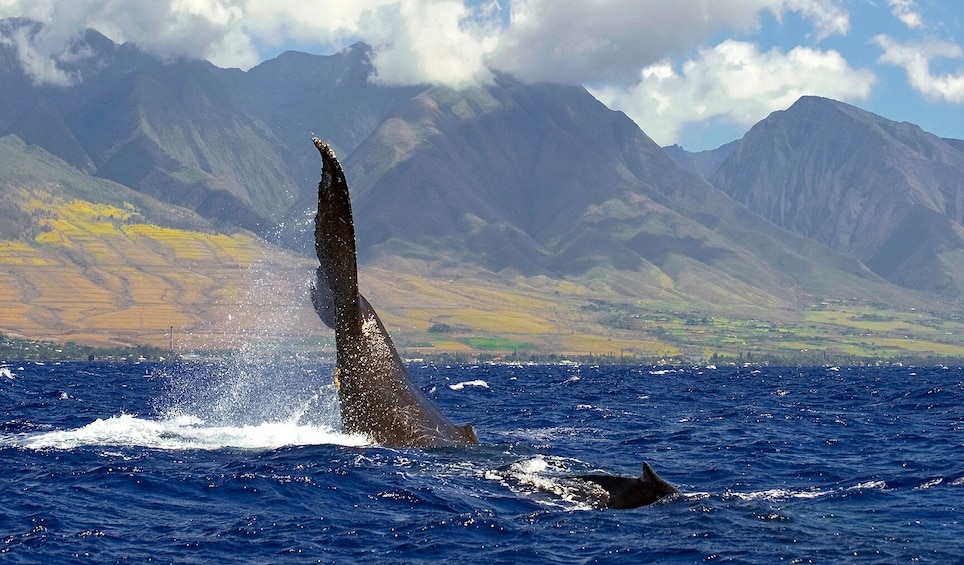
(102, 275)
(98, 275)
(528, 318)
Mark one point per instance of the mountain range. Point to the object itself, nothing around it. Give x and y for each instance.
(534, 190)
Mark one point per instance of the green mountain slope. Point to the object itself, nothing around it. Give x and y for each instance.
(167, 129)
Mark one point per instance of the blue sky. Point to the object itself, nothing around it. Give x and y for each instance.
(694, 72)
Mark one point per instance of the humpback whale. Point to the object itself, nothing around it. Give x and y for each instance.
(626, 492)
(376, 394)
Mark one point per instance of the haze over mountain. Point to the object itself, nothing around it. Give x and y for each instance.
(501, 183)
(886, 193)
(546, 180)
(172, 131)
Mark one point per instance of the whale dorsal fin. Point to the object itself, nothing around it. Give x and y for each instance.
(648, 473)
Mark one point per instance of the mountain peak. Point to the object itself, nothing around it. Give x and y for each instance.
(874, 188)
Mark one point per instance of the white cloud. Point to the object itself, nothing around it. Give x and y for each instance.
(37, 64)
(208, 29)
(906, 11)
(828, 17)
(733, 81)
(452, 42)
(619, 45)
(916, 59)
(276, 22)
(435, 42)
(581, 41)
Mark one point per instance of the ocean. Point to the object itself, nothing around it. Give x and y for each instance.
(243, 461)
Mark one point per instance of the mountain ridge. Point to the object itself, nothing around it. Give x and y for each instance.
(535, 195)
(884, 192)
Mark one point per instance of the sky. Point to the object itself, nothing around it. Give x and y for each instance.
(698, 73)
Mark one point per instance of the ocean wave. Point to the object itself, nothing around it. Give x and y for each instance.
(779, 494)
(928, 484)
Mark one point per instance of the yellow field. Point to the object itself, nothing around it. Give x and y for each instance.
(99, 275)
(95, 275)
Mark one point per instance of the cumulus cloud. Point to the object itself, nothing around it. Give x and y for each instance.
(583, 41)
(38, 64)
(906, 11)
(440, 41)
(618, 45)
(206, 29)
(829, 18)
(452, 42)
(916, 59)
(733, 81)
(434, 42)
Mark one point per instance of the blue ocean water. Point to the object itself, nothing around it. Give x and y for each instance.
(243, 462)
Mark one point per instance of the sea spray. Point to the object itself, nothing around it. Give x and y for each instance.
(269, 376)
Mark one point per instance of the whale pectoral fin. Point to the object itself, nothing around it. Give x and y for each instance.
(376, 395)
(468, 433)
(321, 298)
(337, 277)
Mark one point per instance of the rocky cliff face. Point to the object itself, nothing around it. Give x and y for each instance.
(887, 193)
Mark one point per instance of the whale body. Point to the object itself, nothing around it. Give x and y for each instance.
(627, 492)
(376, 395)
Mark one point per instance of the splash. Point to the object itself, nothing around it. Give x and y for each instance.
(267, 394)
(211, 406)
(544, 479)
(183, 433)
(272, 377)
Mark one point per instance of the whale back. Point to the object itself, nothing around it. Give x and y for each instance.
(627, 492)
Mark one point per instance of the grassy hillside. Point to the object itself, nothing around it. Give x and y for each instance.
(90, 261)
(94, 274)
(459, 311)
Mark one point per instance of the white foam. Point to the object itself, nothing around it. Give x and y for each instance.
(184, 432)
(478, 383)
(786, 494)
(929, 484)
(875, 485)
(778, 494)
(541, 474)
(537, 464)
(5, 372)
